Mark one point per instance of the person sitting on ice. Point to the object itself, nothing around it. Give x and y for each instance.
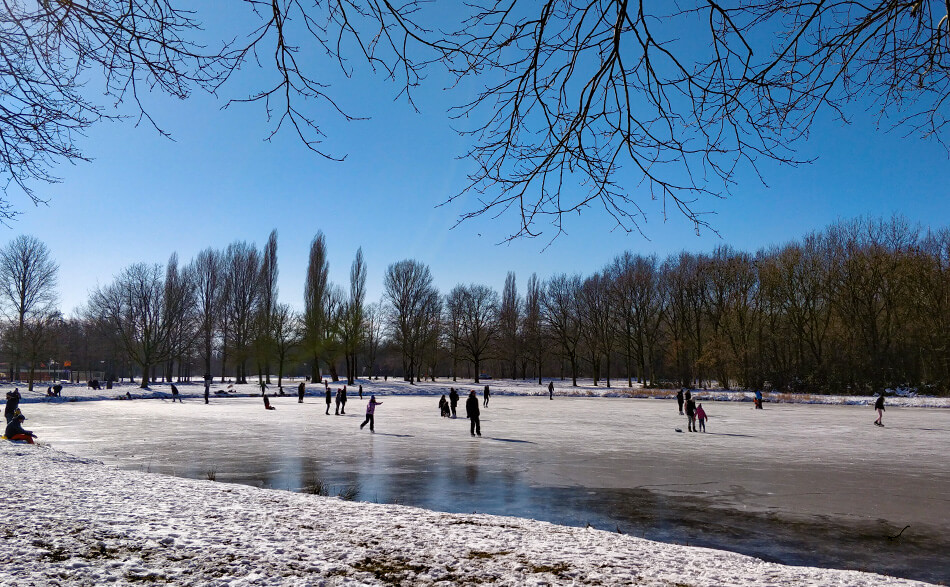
(444, 407)
(267, 405)
(15, 430)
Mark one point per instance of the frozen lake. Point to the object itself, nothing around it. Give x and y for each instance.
(799, 484)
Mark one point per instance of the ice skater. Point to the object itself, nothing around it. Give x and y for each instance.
(701, 417)
(370, 413)
(329, 400)
(679, 400)
(343, 401)
(472, 413)
(361, 391)
(175, 394)
(879, 406)
(453, 401)
(691, 414)
(301, 391)
(339, 393)
(550, 390)
(487, 396)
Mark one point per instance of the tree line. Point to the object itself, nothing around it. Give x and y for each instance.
(857, 307)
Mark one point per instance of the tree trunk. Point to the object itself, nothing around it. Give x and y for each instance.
(145, 375)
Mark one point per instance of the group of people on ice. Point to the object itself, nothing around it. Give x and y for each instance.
(695, 414)
(14, 419)
(447, 408)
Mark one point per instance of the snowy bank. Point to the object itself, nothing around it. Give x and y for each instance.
(562, 388)
(79, 522)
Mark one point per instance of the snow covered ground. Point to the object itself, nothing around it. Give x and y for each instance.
(72, 521)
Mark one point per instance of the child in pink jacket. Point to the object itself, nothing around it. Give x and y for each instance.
(701, 417)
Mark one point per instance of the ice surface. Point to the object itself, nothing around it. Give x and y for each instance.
(806, 484)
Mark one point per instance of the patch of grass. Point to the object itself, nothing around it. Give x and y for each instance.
(53, 553)
(316, 486)
(146, 578)
(556, 569)
(211, 474)
(476, 523)
(480, 554)
(100, 551)
(390, 571)
(349, 492)
(56, 555)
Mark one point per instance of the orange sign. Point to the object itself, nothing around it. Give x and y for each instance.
(67, 363)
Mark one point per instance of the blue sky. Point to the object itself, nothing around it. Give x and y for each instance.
(144, 197)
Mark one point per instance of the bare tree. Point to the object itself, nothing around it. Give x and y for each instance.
(533, 326)
(597, 313)
(479, 322)
(314, 317)
(411, 297)
(286, 332)
(353, 327)
(334, 308)
(602, 94)
(206, 275)
(636, 293)
(374, 331)
(132, 309)
(180, 313)
(242, 277)
(27, 289)
(38, 340)
(509, 324)
(267, 301)
(563, 316)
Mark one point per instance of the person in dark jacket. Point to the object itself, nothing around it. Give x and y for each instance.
(472, 413)
(343, 401)
(679, 400)
(339, 393)
(15, 431)
(691, 414)
(13, 402)
(879, 406)
(267, 405)
(550, 390)
(329, 399)
(487, 396)
(453, 401)
(361, 391)
(301, 390)
(175, 394)
(444, 407)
